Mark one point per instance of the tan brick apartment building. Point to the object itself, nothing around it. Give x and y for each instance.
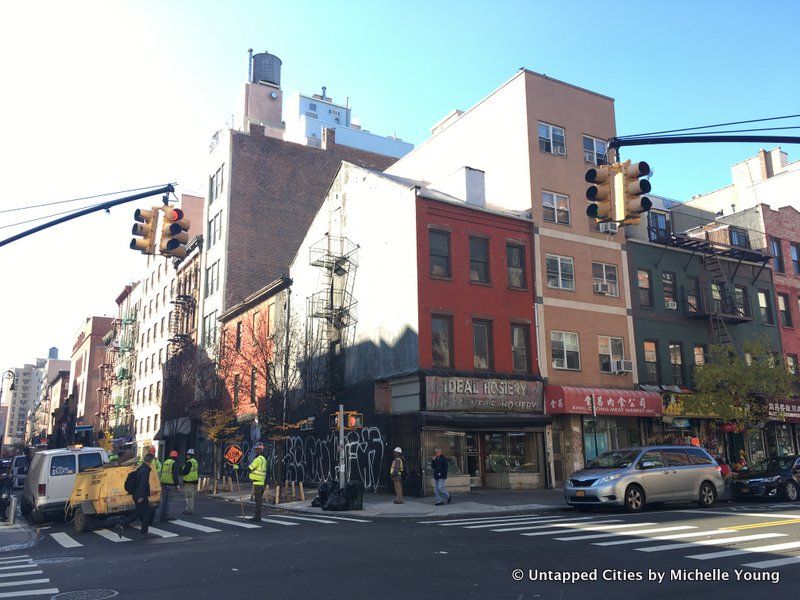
(534, 138)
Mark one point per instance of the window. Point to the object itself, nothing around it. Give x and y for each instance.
(698, 456)
(271, 324)
(439, 248)
(699, 352)
(479, 259)
(149, 395)
(253, 385)
(155, 423)
(160, 358)
(520, 348)
(515, 262)
(651, 360)
(676, 458)
(158, 391)
(657, 225)
(148, 425)
(784, 311)
(676, 360)
(442, 341)
(716, 297)
(62, 465)
(482, 344)
(565, 350)
(239, 335)
(556, 208)
(560, 272)
(795, 258)
(212, 279)
(237, 380)
(214, 230)
(607, 274)
(692, 294)
(668, 285)
(791, 363)
(645, 291)
(89, 460)
(610, 349)
(764, 308)
(594, 150)
(552, 139)
(741, 301)
(215, 185)
(739, 237)
(210, 329)
(777, 251)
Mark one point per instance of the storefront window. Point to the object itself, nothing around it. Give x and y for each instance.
(452, 445)
(513, 452)
(755, 441)
(780, 440)
(602, 434)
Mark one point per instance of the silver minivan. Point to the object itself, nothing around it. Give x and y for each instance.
(634, 477)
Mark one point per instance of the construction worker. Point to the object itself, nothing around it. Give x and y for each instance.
(169, 482)
(155, 464)
(396, 473)
(258, 475)
(190, 473)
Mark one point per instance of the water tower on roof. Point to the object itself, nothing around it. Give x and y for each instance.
(263, 96)
(265, 68)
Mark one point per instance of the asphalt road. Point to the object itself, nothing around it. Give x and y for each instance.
(734, 550)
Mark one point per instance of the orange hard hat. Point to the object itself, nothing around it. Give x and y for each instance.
(173, 454)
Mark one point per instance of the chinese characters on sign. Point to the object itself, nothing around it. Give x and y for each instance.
(788, 410)
(489, 395)
(578, 401)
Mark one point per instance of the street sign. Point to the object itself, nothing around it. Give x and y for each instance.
(233, 454)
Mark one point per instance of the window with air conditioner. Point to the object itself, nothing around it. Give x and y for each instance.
(668, 290)
(611, 351)
(604, 277)
(552, 139)
(594, 150)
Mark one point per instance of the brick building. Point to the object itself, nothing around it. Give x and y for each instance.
(88, 353)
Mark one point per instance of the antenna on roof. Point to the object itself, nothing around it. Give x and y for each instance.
(250, 65)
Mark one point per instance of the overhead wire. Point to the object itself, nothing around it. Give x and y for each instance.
(50, 215)
(679, 135)
(711, 126)
(18, 208)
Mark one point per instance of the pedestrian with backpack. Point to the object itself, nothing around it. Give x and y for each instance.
(137, 484)
(396, 472)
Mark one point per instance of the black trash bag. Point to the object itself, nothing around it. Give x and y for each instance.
(316, 502)
(323, 491)
(355, 495)
(337, 500)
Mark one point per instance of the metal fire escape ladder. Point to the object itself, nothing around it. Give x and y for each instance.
(726, 305)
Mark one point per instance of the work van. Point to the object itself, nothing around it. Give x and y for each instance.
(19, 470)
(51, 477)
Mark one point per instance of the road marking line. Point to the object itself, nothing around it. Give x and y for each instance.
(778, 562)
(235, 523)
(663, 537)
(756, 525)
(25, 566)
(530, 526)
(110, 535)
(16, 560)
(8, 558)
(347, 519)
(485, 525)
(65, 540)
(554, 529)
(19, 593)
(161, 533)
(595, 536)
(20, 574)
(715, 542)
(742, 514)
(189, 525)
(484, 519)
(726, 553)
(312, 519)
(24, 582)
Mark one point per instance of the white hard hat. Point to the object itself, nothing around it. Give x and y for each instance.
(190, 451)
(398, 449)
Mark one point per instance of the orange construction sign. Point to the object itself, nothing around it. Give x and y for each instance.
(233, 454)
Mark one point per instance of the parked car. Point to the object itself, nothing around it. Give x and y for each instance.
(51, 477)
(19, 469)
(775, 477)
(635, 477)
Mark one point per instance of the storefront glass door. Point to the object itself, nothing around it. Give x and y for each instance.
(473, 445)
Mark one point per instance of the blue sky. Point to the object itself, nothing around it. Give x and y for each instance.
(105, 96)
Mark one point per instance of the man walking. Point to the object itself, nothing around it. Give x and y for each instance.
(396, 473)
(439, 466)
(141, 498)
(191, 473)
(258, 475)
(169, 483)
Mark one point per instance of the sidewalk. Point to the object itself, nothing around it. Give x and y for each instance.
(477, 502)
(17, 536)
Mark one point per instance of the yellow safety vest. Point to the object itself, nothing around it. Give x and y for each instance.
(193, 475)
(258, 470)
(166, 472)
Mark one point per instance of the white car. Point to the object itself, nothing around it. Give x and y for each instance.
(51, 477)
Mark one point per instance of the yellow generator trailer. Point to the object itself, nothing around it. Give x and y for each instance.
(100, 493)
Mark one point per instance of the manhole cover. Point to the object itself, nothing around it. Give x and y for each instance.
(60, 559)
(85, 595)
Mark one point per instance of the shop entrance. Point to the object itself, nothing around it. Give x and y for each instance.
(601, 434)
(474, 459)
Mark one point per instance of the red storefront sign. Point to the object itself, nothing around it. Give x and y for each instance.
(787, 411)
(561, 400)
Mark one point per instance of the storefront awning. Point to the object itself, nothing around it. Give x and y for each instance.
(560, 400)
(787, 411)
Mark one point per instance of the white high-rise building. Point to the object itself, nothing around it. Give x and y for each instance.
(27, 389)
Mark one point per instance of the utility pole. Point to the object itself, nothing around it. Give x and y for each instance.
(341, 447)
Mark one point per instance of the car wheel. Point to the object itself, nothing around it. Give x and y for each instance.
(80, 521)
(634, 498)
(38, 516)
(708, 495)
(790, 491)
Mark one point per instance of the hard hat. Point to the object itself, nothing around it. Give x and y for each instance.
(190, 451)
(259, 446)
(173, 454)
(398, 449)
(152, 449)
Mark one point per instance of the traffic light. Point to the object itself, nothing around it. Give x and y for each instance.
(144, 228)
(630, 195)
(354, 420)
(601, 193)
(174, 233)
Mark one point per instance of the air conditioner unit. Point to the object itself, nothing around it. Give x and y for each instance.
(670, 305)
(608, 227)
(560, 150)
(621, 366)
(559, 363)
(588, 157)
(600, 288)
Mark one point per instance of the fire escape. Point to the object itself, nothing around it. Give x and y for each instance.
(107, 376)
(123, 372)
(182, 316)
(331, 311)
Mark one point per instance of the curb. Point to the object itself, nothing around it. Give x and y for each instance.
(23, 527)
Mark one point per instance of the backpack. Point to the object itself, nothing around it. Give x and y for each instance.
(404, 472)
(130, 482)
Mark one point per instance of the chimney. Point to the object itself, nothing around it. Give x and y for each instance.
(466, 184)
(328, 138)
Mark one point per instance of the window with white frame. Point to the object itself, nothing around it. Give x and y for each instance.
(594, 150)
(212, 279)
(610, 349)
(565, 350)
(556, 208)
(560, 272)
(552, 139)
(606, 274)
(214, 230)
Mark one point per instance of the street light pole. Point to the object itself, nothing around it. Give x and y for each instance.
(8, 374)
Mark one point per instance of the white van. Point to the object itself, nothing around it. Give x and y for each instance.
(19, 469)
(51, 477)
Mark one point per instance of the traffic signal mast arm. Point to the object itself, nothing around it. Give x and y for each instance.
(617, 143)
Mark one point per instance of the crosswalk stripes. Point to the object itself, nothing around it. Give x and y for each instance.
(526, 527)
(110, 535)
(234, 523)
(777, 562)
(65, 540)
(551, 526)
(595, 536)
(673, 536)
(310, 519)
(738, 551)
(711, 542)
(19, 566)
(526, 522)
